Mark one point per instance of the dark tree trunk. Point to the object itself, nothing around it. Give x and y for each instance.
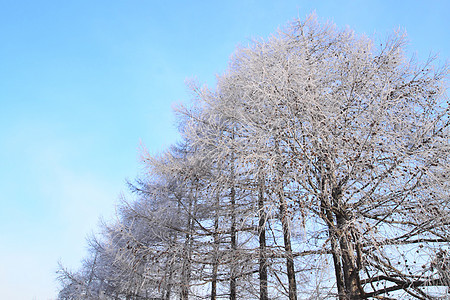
(290, 268)
(216, 251)
(288, 251)
(349, 267)
(333, 234)
(335, 252)
(233, 244)
(168, 288)
(233, 232)
(186, 270)
(342, 243)
(263, 290)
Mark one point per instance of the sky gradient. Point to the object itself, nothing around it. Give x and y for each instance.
(84, 84)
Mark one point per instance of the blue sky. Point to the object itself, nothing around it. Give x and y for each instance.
(84, 83)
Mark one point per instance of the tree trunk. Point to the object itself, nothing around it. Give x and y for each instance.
(263, 290)
(328, 217)
(216, 251)
(233, 244)
(233, 230)
(288, 250)
(290, 268)
(349, 267)
(344, 257)
(335, 251)
(168, 288)
(186, 270)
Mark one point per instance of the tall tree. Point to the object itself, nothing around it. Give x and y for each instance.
(363, 137)
(318, 167)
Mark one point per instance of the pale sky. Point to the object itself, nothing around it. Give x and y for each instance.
(84, 83)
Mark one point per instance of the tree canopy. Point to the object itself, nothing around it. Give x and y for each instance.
(317, 168)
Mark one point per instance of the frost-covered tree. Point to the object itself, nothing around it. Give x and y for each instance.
(316, 168)
(357, 140)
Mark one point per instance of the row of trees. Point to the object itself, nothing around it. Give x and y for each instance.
(317, 168)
